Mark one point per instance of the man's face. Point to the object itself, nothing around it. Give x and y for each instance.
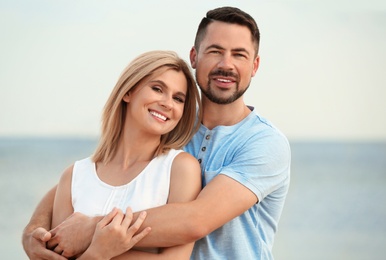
(225, 62)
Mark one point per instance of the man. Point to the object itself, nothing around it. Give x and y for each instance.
(245, 161)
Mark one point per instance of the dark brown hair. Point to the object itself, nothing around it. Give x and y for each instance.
(231, 15)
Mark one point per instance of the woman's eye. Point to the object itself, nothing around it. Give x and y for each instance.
(156, 88)
(179, 100)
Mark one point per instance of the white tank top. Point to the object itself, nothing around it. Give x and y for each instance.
(91, 196)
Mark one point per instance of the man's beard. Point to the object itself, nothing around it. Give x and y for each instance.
(218, 100)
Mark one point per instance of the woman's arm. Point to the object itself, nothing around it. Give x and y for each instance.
(185, 184)
(62, 207)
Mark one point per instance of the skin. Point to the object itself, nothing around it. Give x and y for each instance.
(163, 95)
(118, 227)
(225, 47)
(154, 108)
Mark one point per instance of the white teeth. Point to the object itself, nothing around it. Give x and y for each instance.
(158, 115)
(223, 80)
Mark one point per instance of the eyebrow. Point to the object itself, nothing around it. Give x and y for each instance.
(180, 93)
(216, 46)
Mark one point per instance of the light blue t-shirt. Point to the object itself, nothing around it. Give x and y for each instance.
(257, 155)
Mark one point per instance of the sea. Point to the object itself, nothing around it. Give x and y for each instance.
(335, 208)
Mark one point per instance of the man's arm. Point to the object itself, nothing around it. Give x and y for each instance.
(219, 202)
(172, 224)
(35, 234)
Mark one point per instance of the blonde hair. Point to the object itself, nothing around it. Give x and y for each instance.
(148, 64)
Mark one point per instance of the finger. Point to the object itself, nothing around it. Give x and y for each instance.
(128, 218)
(117, 220)
(135, 239)
(41, 234)
(46, 237)
(52, 243)
(54, 256)
(53, 231)
(137, 224)
(58, 250)
(108, 218)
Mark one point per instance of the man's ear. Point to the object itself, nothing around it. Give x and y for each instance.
(193, 56)
(256, 64)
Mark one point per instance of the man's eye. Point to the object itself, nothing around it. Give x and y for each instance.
(240, 55)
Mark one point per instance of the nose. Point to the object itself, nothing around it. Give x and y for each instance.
(226, 62)
(167, 102)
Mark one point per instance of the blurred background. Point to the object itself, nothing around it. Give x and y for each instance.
(321, 81)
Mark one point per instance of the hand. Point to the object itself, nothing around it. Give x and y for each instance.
(114, 235)
(73, 236)
(34, 244)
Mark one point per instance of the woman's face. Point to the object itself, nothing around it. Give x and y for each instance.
(157, 104)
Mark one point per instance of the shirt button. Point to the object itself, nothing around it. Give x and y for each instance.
(203, 149)
(199, 160)
(207, 137)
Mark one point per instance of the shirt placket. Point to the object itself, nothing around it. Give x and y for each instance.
(202, 154)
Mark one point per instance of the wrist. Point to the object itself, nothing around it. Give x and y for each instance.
(92, 224)
(94, 220)
(91, 255)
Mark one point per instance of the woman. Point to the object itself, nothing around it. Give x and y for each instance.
(138, 164)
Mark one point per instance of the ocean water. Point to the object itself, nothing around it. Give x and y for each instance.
(335, 207)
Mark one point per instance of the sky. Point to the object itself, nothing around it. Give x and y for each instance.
(321, 75)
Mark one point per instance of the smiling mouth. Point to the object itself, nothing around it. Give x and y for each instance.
(223, 83)
(157, 115)
(223, 80)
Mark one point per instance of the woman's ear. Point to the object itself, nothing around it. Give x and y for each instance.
(126, 97)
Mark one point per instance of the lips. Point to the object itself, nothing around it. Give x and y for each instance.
(224, 80)
(223, 83)
(224, 76)
(158, 115)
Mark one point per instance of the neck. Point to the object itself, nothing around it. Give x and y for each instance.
(134, 148)
(225, 115)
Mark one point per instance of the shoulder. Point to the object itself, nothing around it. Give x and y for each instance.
(67, 174)
(181, 161)
(184, 160)
(86, 162)
(185, 168)
(77, 166)
(260, 140)
(185, 179)
(261, 130)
